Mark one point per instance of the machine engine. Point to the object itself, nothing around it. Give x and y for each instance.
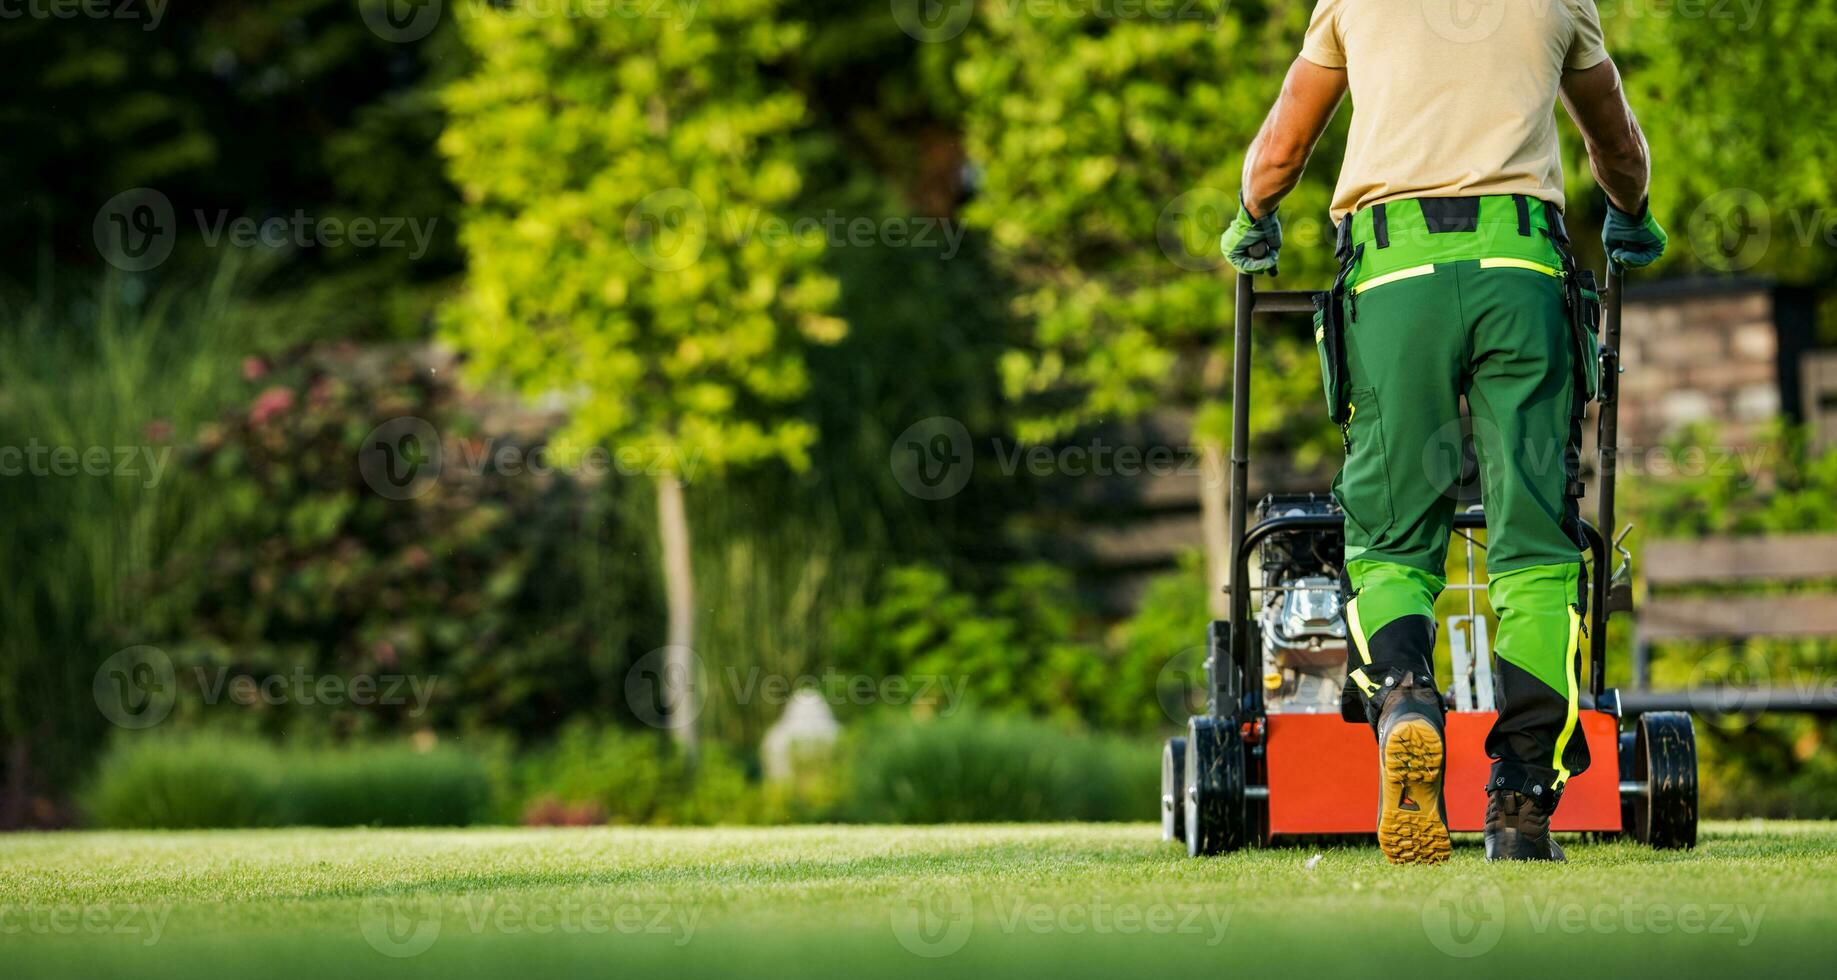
(1300, 611)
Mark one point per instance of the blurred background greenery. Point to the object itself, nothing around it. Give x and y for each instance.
(1086, 157)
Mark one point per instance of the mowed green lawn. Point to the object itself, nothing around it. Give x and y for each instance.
(1055, 900)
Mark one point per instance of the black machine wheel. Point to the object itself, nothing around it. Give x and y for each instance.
(1214, 798)
(1626, 745)
(1665, 760)
(1173, 789)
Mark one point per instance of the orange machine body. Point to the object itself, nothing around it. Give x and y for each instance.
(1323, 775)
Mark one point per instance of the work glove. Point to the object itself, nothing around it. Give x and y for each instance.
(1250, 244)
(1633, 240)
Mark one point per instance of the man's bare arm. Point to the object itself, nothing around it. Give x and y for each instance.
(1616, 148)
(1272, 168)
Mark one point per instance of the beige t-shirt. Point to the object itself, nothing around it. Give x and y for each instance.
(1452, 98)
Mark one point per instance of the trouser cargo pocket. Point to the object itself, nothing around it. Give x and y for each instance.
(1330, 344)
(1584, 301)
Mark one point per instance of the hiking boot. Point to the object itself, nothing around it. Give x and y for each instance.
(1518, 829)
(1412, 825)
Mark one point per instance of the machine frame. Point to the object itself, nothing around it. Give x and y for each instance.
(1244, 776)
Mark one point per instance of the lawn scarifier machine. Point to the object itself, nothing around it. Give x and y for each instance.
(1273, 758)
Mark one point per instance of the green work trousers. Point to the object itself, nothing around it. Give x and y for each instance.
(1441, 300)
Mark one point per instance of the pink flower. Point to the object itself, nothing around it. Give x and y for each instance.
(270, 403)
(253, 368)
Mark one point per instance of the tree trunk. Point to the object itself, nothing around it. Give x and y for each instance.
(679, 592)
(1214, 516)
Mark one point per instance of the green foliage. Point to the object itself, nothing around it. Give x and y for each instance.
(1025, 648)
(497, 590)
(1159, 674)
(1777, 484)
(174, 783)
(620, 175)
(219, 780)
(982, 767)
(1110, 150)
(596, 773)
(110, 369)
(230, 108)
(1014, 650)
(1735, 149)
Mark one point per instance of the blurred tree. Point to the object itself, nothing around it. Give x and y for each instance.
(234, 110)
(624, 179)
(1108, 151)
(1735, 100)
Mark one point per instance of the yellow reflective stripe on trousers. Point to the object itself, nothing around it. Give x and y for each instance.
(1502, 263)
(1364, 680)
(1573, 682)
(1390, 277)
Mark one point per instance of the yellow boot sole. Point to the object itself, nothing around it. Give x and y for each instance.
(1410, 827)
